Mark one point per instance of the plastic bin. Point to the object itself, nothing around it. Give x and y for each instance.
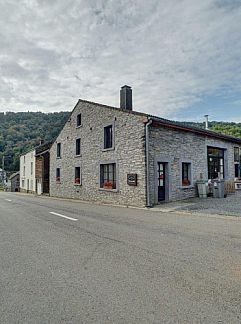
(202, 187)
(218, 188)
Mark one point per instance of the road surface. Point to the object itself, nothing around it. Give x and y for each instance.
(63, 261)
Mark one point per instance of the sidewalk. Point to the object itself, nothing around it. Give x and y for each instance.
(219, 206)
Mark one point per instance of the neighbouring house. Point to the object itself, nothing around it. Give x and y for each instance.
(120, 156)
(34, 169)
(4, 181)
(14, 180)
(42, 163)
(27, 172)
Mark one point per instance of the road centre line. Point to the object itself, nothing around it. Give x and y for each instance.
(70, 218)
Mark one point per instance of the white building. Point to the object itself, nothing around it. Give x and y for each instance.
(27, 172)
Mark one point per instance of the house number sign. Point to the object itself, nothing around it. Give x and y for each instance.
(132, 179)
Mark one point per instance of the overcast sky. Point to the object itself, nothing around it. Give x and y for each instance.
(181, 57)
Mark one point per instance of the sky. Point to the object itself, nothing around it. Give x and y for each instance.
(182, 58)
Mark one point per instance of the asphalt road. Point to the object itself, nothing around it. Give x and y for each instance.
(115, 265)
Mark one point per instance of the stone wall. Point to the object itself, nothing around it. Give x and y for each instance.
(174, 147)
(128, 154)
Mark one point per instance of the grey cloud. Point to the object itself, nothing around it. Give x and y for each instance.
(171, 52)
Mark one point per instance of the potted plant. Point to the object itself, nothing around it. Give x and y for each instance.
(108, 185)
(77, 180)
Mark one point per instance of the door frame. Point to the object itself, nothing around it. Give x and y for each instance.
(167, 164)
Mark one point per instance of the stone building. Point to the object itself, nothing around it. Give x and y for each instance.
(27, 172)
(42, 163)
(34, 169)
(119, 156)
(15, 182)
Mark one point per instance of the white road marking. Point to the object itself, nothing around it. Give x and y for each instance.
(73, 219)
(8, 199)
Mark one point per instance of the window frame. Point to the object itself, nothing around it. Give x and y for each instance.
(79, 151)
(58, 175)
(77, 183)
(115, 175)
(58, 150)
(190, 174)
(237, 161)
(104, 148)
(78, 120)
(217, 159)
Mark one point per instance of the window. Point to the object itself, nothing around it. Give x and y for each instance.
(58, 175)
(215, 163)
(22, 183)
(108, 137)
(78, 120)
(77, 147)
(236, 154)
(24, 171)
(24, 159)
(31, 167)
(236, 162)
(58, 150)
(77, 176)
(108, 176)
(186, 174)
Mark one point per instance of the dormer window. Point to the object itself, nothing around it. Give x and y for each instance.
(78, 120)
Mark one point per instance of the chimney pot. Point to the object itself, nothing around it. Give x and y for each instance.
(206, 121)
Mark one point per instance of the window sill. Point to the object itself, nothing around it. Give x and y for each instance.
(187, 187)
(108, 149)
(78, 126)
(77, 184)
(58, 157)
(77, 156)
(58, 182)
(110, 190)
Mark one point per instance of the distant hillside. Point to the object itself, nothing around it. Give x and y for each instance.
(233, 129)
(22, 131)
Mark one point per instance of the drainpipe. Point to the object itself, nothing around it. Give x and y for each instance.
(147, 164)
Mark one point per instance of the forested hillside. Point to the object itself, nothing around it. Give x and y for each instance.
(22, 131)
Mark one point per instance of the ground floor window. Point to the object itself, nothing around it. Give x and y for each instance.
(236, 162)
(58, 175)
(215, 163)
(186, 173)
(77, 175)
(108, 176)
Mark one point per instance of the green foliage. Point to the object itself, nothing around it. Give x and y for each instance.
(20, 132)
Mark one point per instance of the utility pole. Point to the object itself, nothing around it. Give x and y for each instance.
(3, 171)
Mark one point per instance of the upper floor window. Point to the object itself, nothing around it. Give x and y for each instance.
(77, 146)
(31, 168)
(78, 120)
(236, 154)
(58, 150)
(108, 137)
(24, 171)
(24, 159)
(186, 174)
